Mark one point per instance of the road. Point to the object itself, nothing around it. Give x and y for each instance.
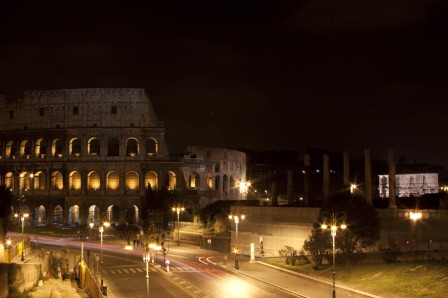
(191, 274)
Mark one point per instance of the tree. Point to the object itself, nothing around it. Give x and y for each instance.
(363, 225)
(5, 209)
(317, 245)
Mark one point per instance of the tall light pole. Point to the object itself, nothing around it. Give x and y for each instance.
(178, 210)
(333, 222)
(22, 219)
(147, 259)
(414, 216)
(105, 224)
(236, 219)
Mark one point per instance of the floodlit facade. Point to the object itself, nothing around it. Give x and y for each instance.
(75, 156)
(407, 185)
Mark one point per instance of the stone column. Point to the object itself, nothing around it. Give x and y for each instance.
(391, 163)
(326, 179)
(290, 188)
(368, 176)
(306, 182)
(346, 169)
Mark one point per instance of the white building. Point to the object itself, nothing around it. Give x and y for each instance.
(410, 184)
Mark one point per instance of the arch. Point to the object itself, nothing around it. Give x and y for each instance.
(1, 149)
(73, 215)
(210, 181)
(113, 214)
(193, 181)
(172, 180)
(93, 180)
(94, 215)
(152, 147)
(112, 180)
(40, 215)
(74, 180)
(217, 181)
(232, 184)
(132, 147)
(151, 178)
(9, 180)
(57, 181)
(40, 181)
(225, 184)
(57, 148)
(75, 147)
(40, 148)
(132, 214)
(132, 180)
(58, 215)
(25, 149)
(113, 147)
(25, 183)
(11, 150)
(93, 147)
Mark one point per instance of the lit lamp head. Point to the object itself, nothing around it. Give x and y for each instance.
(91, 225)
(235, 251)
(146, 257)
(101, 229)
(415, 215)
(8, 242)
(106, 224)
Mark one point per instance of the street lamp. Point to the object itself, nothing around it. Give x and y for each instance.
(244, 187)
(8, 245)
(147, 259)
(178, 210)
(333, 222)
(236, 219)
(22, 219)
(414, 216)
(101, 229)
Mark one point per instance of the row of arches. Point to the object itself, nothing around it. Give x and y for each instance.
(42, 215)
(93, 180)
(40, 148)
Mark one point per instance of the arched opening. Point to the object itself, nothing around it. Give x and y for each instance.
(113, 215)
(113, 147)
(57, 148)
(210, 181)
(152, 147)
(11, 150)
(74, 181)
(225, 184)
(112, 181)
(132, 180)
(25, 149)
(57, 182)
(73, 215)
(132, 147)
(217, 181)
(94, 147)
(151, 178)
(40, 181)
(75, 147)
(40, 216)
(9, 180)
(58, 215)
(94, 215)
(171, 180)
(93, 181)
(194, 180)
(40, 148)
(132, 215)
(232, 185)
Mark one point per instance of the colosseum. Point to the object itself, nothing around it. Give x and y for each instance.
(75, 156)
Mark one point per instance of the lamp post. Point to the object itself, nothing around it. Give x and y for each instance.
(244, 187)
(414, 216)
(333, 222)
(22, 219)
(8, 245)
(236, 219)
(178, 210)
(101, 229)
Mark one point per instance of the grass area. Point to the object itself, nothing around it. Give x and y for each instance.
(400, 279)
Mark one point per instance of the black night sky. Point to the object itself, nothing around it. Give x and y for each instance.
(280, 75)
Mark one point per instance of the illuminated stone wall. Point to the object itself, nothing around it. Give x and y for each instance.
(407, 185)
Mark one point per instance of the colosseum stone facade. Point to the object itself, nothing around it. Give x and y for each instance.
(75, 156)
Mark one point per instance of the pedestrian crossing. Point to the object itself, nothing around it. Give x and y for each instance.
(142, 269)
